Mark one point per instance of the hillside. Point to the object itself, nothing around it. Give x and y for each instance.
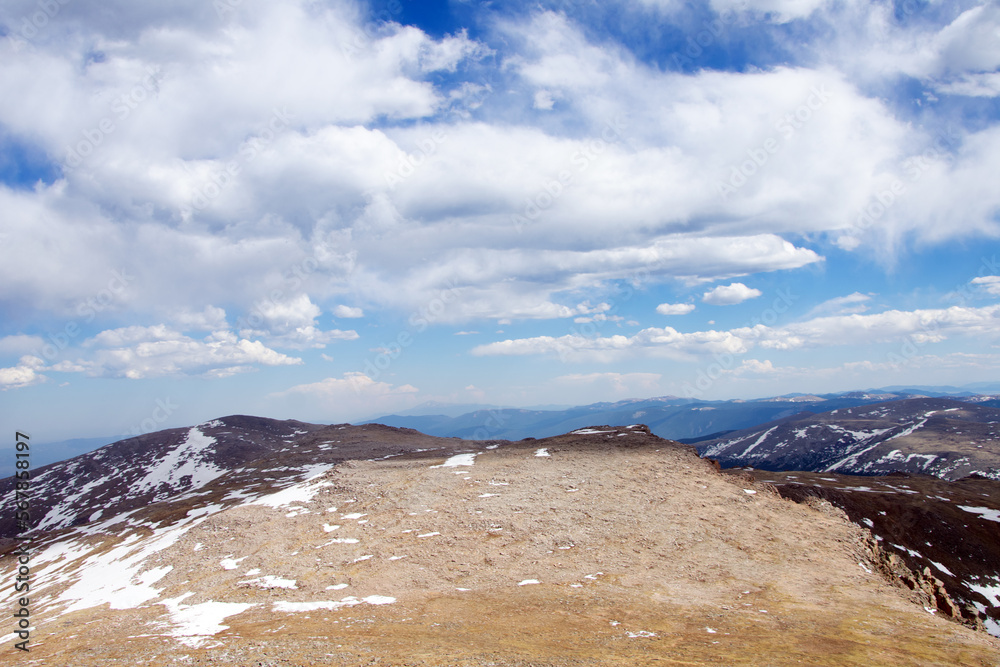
(341, 545)
(935, 436)
(936, 536)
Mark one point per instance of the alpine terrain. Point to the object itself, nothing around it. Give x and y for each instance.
(942, 437)
(247, 541)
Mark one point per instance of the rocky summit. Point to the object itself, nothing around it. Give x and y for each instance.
(245, 541)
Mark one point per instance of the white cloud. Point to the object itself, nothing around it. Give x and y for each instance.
(285, 315)
(842, 305)
(906, 328)
(301, 338)
(780, 11)
(351, 396)
(20, 344)
(675, 308)
(755, 367)
(619, 385)
(24, 374)
(544, 100)
(991, 284)
(728, 295)
(140, 352)
(209, 318)
(291, 323)
(485, 219)
(348, 312)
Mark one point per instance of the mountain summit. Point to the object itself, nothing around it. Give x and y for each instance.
(245, 541)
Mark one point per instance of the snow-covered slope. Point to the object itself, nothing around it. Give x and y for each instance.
(941, 437)
(347, 545)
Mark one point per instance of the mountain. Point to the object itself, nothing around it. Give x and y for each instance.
(668, 417)
(51, 452)
(936, 436)
(247, 541)
(431, 408)
(236, 452)
(935, 536)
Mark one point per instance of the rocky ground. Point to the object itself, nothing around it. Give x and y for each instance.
(940, 538)
(604, 546)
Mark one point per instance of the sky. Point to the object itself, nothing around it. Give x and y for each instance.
(331, 210)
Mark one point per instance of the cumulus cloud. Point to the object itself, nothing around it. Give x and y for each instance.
(842, 305)
(313, 163)
(755, 367)
(675, 308)
(620, 385)
(19, 344)
(351, 396)
(991, 284)
(24, 374)
(728, 295)
(297, 158)
(140, 352)
(913, 328)
(348, 312)
(209, 318)
(780, 11)
(291, 323)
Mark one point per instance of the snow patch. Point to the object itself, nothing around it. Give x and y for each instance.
(458, 460)
(269, 581)
(350, 601)
(197, 622)
(984, 512)
(229, 563)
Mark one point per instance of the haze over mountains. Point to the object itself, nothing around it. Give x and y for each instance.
(683, 419)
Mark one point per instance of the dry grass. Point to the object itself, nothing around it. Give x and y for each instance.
(680, 548)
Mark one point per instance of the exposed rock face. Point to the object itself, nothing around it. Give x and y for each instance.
(603, 546)
(939, 538)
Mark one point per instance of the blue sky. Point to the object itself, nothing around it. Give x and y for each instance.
(333, 210)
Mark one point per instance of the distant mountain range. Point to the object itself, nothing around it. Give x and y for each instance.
(683, 419)
(383, 539)
(686, 420)
(943, 437)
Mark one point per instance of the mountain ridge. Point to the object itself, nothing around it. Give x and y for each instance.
(937, 436)
(279, 542)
